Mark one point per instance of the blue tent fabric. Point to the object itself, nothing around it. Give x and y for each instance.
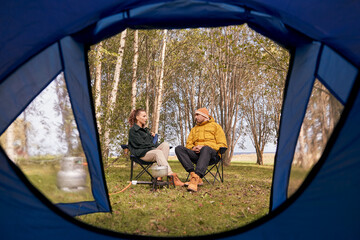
(75, 72)
(30, 80)
(333, 67)
(24, 18)
(326, 206)
(39, 39)
(27, 83)
(310, 62)
(24, 216)
(294, 107)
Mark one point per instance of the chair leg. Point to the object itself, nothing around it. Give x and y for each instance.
(209, 171)
(131, 170)
(222, 171)
(187, 179)
(206, 180)
(144, 169)
(217, 175)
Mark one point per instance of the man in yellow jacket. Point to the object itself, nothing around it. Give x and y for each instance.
(204, 140)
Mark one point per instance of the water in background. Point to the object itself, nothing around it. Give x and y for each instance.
(172, 153)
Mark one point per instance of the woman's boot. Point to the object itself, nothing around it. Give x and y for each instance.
(177, 181)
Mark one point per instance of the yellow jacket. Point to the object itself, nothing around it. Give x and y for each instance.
(207, 133)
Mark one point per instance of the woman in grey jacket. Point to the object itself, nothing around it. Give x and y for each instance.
(141, 143)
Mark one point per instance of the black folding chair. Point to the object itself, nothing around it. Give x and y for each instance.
(215, 168)
(143, 164)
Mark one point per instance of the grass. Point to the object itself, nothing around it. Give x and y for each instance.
(43, 175)
(242, 198)
(297, 177)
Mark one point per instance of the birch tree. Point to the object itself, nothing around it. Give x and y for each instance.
(67, 131)
(187, 86)
(204, 68)
(322, 113)
(268, 63)
(147, 84)
(158, 99)
(258, 120)
(98, 69)
(228, 70)
(113, 94)
(13, 140)
(135, 66)
(10, 139)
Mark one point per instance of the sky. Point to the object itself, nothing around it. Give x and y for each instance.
(47, 140)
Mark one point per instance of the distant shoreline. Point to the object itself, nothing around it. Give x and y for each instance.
(246, 157)
(235, 153)
(240, 153)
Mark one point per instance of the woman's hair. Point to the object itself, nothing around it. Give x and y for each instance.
(134, 113)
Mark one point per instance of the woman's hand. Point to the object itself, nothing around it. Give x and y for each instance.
(153, 134)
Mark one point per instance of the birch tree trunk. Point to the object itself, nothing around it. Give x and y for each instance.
(226, 76)
(135, 65)
(147, 91)
(26, 139)
(182, 132)
(63, 108)
(301, 156)
(114, 90)
(98, 66)
(10, 138)
(157, 106)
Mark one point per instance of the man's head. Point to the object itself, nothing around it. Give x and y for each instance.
(201, 115)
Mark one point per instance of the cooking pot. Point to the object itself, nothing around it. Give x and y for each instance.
(159, 171)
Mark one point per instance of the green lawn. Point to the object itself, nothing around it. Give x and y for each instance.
(297, 177)
(241, 199)
(43, 175)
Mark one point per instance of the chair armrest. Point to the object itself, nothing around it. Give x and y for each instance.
(124, 146)
(222, 150)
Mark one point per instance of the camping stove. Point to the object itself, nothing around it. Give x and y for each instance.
(157, 184)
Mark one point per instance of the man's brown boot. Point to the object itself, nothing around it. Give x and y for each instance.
(177, 181)
(194, 181)
(200, 183)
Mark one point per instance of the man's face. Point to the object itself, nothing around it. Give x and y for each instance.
(199, 118)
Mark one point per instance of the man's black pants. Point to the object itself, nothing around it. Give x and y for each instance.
(202, 160)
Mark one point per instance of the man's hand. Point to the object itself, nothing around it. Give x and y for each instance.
(197, 148)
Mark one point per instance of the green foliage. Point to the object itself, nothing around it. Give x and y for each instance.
(241, 199)
(67, 130)
(218, 68)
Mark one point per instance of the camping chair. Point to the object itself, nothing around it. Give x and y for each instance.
(215, 165)
(143, 164)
